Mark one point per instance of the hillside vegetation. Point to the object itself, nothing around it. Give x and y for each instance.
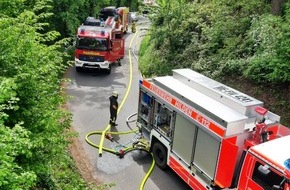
(34, 127)
(244, 44)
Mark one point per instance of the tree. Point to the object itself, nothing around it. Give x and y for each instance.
(276, 7)
(14, 142)
(32, 123)
(222, 39)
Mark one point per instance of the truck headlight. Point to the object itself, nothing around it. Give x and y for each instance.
(105, 64)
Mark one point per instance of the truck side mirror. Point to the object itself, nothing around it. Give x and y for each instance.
(280, 186)
(264, 170)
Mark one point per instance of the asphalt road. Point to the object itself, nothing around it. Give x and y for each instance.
(89, 105)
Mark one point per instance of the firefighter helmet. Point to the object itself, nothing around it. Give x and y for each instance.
(115, 93)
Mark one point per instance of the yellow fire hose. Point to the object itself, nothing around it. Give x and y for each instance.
(139, 145)
(104, 148)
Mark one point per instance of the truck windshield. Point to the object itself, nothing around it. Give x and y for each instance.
(92, 44)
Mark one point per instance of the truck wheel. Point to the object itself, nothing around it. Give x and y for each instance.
(78, 69)
(119, 62)
(108, 71)
(160, 155)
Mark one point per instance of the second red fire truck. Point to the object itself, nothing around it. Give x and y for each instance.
(100, 42)
(213, 136)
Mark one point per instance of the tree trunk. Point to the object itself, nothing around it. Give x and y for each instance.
(276, 7)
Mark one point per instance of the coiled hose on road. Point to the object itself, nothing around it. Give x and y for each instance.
(139, 143)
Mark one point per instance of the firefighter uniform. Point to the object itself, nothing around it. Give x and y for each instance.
(113, 108)
(133, 26)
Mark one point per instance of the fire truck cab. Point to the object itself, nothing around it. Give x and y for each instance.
(267, 166)
(100, 41)
(98, 47)
(213, 136)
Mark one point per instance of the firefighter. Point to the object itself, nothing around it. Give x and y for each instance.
(133, 26)
(113, 112)
(113, 108)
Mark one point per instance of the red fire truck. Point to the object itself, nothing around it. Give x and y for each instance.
(211, 135)
(116, 18)
(100, 42)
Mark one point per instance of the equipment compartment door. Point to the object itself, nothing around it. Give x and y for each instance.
(206, 153)
(184, 137)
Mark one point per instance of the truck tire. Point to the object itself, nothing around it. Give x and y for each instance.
(126, 30)
(119, 62)
(78, 69)
(108, 71)
(160, 155)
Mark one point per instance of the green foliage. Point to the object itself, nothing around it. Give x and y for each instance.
(33, 126)
(270, 62)
(221, 39)
(151, 68)
(15, 143)
(8, 97)
(33, 143)
(11, 8)
(69, 14)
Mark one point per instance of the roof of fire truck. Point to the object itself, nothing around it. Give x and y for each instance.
(239, 101)
(229, 109)
(94, 31)
(275, 152)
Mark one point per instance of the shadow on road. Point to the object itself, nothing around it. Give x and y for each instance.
(116, 136)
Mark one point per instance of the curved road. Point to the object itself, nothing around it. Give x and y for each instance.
(89, 105)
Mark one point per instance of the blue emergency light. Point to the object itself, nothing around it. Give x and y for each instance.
(287, 163)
